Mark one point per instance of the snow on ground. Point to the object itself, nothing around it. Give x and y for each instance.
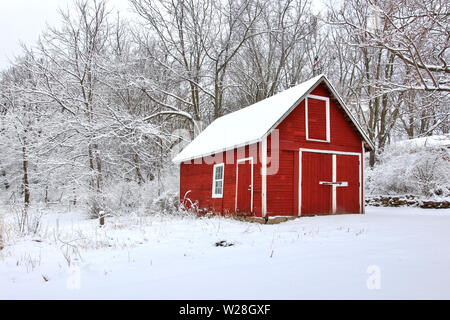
(404, 250)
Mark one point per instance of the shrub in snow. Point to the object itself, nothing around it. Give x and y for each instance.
(411, 169)
(167, 203)
(96, 204)
(124, 197)
(27, 220)
(127, 197)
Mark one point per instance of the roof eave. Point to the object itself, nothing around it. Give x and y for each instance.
(174, 160)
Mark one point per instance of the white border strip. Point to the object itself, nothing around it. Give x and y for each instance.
(333, 193)
(361, 173)
(264, 177)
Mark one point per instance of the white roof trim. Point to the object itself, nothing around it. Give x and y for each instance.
(255, 122)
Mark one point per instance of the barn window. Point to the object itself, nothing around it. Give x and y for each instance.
(317, 118)
(217, 187)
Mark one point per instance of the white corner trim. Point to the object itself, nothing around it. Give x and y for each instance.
(300, 183)
(264, 176)
(327, 116)
(362, 177)
(214, 195)
(251, 182)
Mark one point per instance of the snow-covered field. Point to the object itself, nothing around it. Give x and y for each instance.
(389, 253)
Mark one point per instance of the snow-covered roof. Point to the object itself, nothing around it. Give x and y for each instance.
(249, 125)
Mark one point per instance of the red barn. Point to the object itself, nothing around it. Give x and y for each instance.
(297, 153)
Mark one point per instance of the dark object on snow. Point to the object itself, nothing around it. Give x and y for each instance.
(224, 243)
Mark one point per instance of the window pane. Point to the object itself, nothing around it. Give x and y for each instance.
(218, 180)
(219, 172)
(218, 187)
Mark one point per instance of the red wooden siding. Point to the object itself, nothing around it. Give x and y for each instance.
(317, 119)
(280, 187)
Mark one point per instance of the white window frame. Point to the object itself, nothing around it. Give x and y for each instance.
(327, 110)
(214, 194)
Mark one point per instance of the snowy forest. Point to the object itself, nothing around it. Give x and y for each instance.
(93, 113)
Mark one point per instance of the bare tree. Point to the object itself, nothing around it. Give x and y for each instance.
(383, 79)
(276, 58)
(23, 121)
(68, 60)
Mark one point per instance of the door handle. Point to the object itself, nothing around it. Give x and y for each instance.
(250, 187)
(338, 184)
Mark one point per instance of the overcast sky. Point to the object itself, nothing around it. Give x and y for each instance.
(24, 20)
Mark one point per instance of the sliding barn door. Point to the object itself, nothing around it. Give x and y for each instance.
(329, 183)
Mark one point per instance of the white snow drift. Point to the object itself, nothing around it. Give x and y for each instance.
(385, 254)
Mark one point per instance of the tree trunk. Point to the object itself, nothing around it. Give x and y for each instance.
(95, 184)
(26, 186)
(372, 159)
(138, 169)
(5, 180)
